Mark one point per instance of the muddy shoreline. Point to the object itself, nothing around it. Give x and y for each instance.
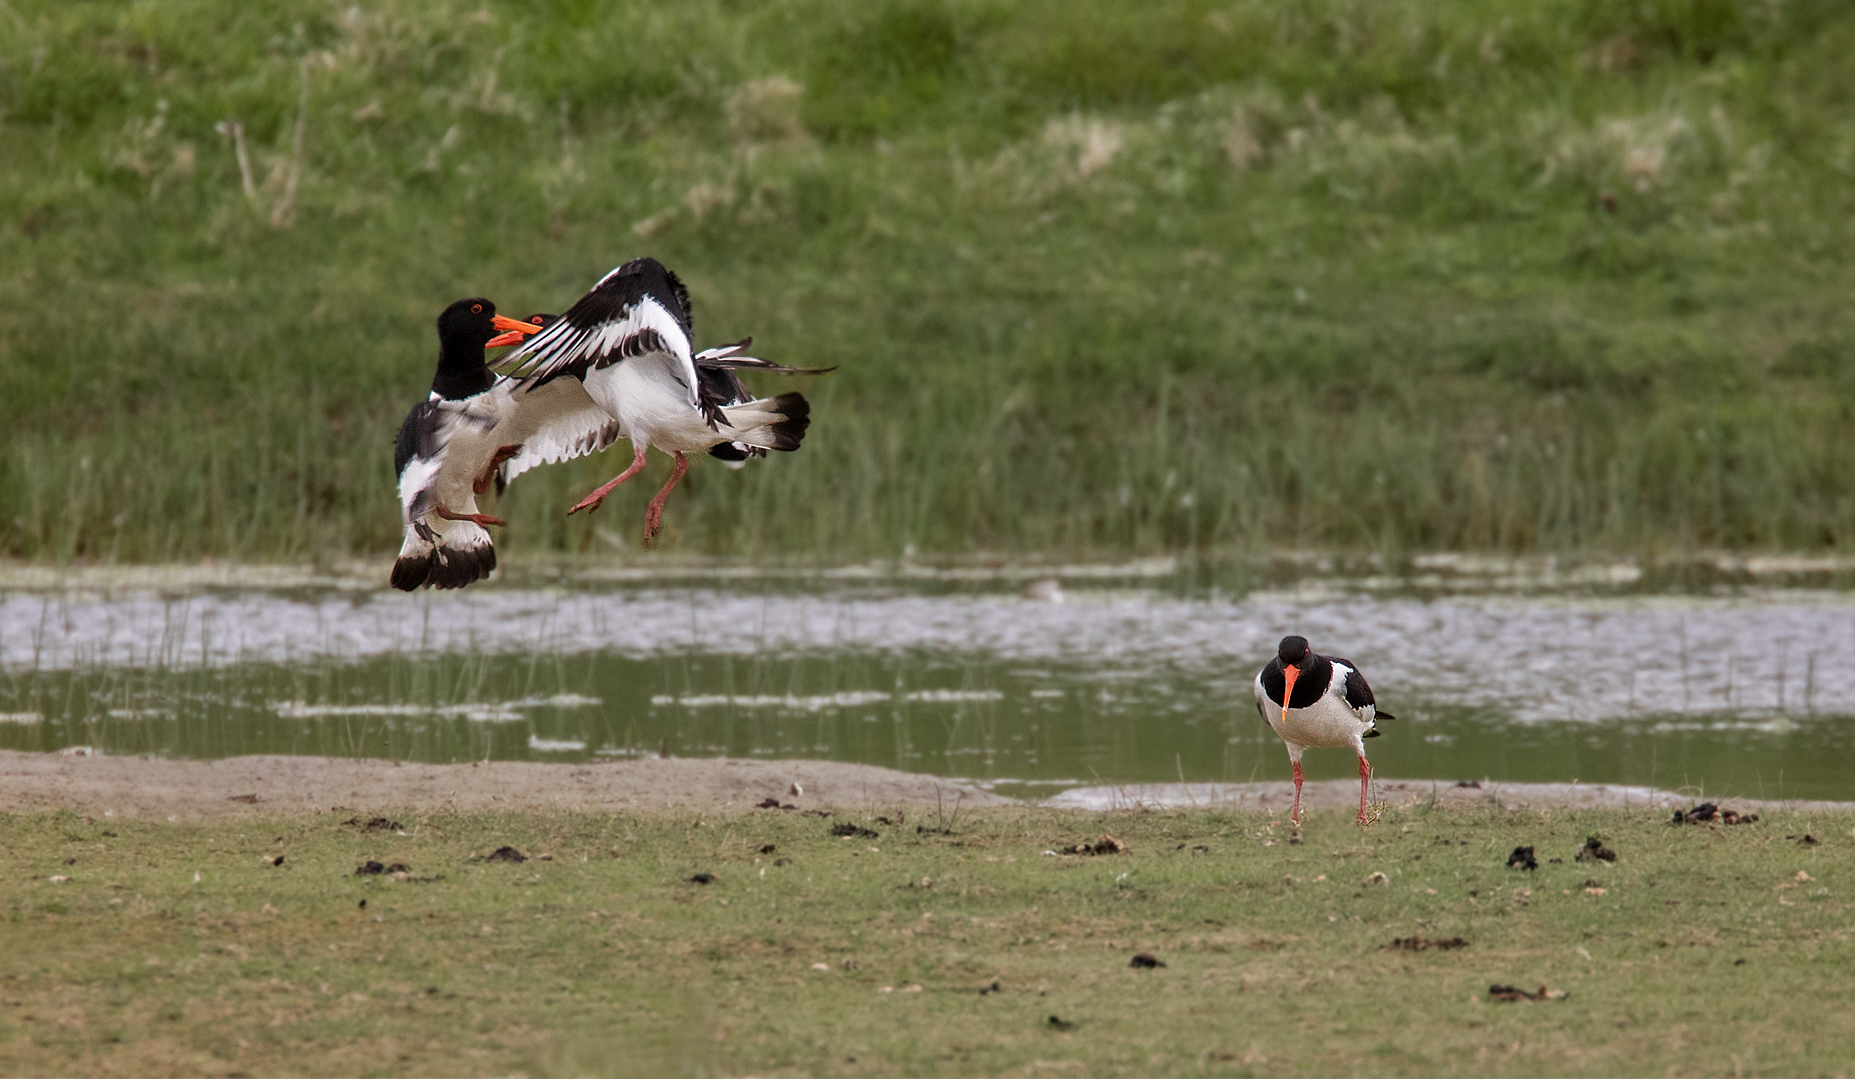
(156, 788)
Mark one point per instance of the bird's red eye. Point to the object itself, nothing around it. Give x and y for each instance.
(536, 320)
(476, 308)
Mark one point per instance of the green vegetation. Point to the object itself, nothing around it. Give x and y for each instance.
(1186, 276)
(180, 948)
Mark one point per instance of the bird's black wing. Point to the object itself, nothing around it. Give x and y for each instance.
(418, 435)
(1358, 693)
(630, 312)
(754, 363)
(729, 356)
(721, 386)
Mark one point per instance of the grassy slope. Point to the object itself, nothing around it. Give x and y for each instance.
(1704, 954)
(1573, 276)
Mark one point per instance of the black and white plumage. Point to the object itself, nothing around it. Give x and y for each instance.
(439, 455)
(717, 381)
(453, 446)
(565, 422)
(1317, 702)
(628, 343)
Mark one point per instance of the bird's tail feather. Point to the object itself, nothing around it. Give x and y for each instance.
(774, 423)
(451, 555)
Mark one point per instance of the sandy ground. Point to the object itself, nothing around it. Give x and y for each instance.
(267, 786)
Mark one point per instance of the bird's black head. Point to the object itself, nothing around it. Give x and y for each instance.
(464, 328)
(1293, 651)
(467, 323)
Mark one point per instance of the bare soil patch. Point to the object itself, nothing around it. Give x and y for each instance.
(153, 787)
(272, 785)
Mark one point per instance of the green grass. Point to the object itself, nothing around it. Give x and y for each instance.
(179, 948)
(1101, 280)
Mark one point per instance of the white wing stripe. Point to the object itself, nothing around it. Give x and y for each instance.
(563, 345)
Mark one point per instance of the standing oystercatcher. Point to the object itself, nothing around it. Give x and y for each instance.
(628, 342)
(1317, 702)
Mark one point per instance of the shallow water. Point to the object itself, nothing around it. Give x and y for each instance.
(1750, 693)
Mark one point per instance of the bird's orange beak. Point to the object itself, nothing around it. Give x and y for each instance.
(513, 331)
(1289, 674)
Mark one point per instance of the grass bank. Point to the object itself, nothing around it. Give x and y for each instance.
(913, 950)
(1390, 276)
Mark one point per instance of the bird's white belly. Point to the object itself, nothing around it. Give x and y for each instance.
(651, 404)
(467, 453)
(1326, 724)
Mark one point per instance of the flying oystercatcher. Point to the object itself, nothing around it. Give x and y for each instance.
(627, 341)
(715, 371)
(440, 453)
(1317, 702)
(452, 445)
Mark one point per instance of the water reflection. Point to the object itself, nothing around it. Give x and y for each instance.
(1580, 659)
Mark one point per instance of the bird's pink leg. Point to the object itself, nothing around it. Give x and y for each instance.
(1294, 817)
(503, 453)
(653, 516)
(1365, 777)
(483, 519)
(591, 501)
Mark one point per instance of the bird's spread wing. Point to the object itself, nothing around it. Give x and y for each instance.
(556, 421)
(618, 319)
(754, 363)
(729, 357)
(722, 352)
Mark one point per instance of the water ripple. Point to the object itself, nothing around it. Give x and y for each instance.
(1760, 653)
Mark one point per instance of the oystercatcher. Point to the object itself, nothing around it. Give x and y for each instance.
(715, 371)
(441, 452)
(627, 341)
(452, 446)
(1317, 702)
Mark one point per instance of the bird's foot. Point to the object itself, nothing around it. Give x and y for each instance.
(591, 502)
